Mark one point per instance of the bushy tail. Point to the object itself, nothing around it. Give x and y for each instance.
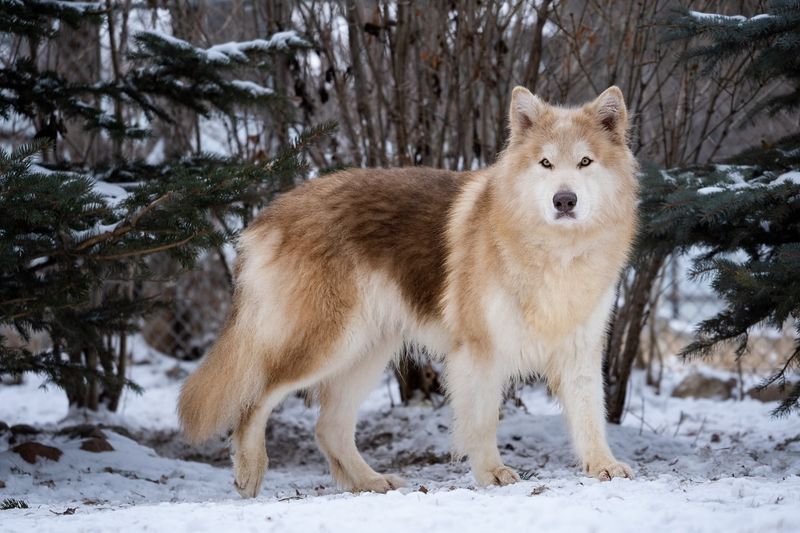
(224, 386)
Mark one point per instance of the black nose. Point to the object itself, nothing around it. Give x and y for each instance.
(565, 201)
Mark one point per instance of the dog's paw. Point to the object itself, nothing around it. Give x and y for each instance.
(605, 470)
(380, 484)
(502, 475)
(248, 486)
(395, 482)
(248, 474)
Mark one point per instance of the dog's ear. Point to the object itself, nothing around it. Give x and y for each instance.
(610, 110)
(525, 108)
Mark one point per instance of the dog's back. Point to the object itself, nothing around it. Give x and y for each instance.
(392, 220)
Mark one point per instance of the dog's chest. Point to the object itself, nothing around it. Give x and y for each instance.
(562, 300)
(535, 315)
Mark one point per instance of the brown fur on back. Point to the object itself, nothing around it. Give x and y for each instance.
(393, 220)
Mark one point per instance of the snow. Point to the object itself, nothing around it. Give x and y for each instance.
(156, 153)
(284, 39)
(709, 190)
(168, 38)
(214, 137)
(113, 193)
(701, 465)
(738, 19)
(279, 41)
(41, 170)
(235, 50)
(716, 17)
(97, 229)
(253, 88)
(738, 183)
(788, 177)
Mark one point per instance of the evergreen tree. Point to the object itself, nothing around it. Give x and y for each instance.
(744, 215)
(771, 40)
(71, 239)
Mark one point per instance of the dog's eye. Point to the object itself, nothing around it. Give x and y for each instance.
(546, 163)
(585, 162)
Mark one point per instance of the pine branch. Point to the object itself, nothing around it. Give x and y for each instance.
(69, 235)
(769, 41)
(746, 222)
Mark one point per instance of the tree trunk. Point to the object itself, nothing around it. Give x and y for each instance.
(78, 58)
(627, 324)
(416, 376)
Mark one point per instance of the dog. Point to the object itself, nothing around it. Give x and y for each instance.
(507, 272)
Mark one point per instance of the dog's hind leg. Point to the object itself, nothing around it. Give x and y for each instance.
(340, 396)
(249, 456)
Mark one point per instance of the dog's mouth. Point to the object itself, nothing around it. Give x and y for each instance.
(571, 215)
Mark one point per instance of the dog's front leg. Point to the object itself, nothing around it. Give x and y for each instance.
(579, 385)
(475, 387)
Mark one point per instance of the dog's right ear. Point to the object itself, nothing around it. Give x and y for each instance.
(525, 109)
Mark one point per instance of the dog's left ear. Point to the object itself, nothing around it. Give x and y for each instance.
(611, 112)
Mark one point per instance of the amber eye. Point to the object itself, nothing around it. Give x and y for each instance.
(585, 162)
(546, 163)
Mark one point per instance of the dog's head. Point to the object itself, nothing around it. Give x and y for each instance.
(569, 168)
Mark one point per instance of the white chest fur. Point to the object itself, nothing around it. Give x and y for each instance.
(517, 343)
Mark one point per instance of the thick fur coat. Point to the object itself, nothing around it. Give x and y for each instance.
(505, 272)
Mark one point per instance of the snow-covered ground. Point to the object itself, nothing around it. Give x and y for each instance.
(702, 465)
